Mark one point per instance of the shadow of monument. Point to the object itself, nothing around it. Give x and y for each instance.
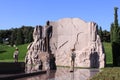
(109, 65)
(52, 62)
(2, 51)
(115, 54)
(49, 32)
(94, 60)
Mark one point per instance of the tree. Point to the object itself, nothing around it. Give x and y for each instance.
(19, 38)
(17, 35)
(1, 36)
(5, 36)
(100, 33)
(27, 32)
(106, 36)
(115, 39)
(30, 37)
(13, 37)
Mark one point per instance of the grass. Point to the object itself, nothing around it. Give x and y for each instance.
(108, 74)
(6, 52)
(108, 52)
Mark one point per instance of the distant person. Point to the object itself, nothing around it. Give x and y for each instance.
(73, 55)
(15, 55)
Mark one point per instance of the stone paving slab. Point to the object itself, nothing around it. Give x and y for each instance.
(64, 74)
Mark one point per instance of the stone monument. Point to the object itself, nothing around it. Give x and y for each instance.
(57, 38)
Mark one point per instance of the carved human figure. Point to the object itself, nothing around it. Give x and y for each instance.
(73, 55)
(47, 34)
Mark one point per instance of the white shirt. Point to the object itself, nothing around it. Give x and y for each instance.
(16, 53)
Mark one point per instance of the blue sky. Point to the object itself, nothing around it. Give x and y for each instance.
(15, 13)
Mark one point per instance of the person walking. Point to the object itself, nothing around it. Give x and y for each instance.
(15, 55)
(73, 55)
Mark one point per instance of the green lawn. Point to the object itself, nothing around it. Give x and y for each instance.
(108, 52)
(6, 52)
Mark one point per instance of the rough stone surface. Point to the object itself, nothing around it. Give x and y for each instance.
(69, 33)
(38, 55)
(72, 33)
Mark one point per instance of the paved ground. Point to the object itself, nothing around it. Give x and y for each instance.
(64, 74)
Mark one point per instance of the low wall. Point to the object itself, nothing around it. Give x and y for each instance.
(12, 67)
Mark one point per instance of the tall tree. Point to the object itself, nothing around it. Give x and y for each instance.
(13, 36)
(100, 32)
(20, 38)
(115, 39)
(116, 16)
(5, 35)
(27, 30)
(30, 37)
(106, 36)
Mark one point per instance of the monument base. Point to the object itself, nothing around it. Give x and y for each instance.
(11, 67)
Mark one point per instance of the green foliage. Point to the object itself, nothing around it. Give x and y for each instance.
(6, 52)
(115, 39)
(115, 36)
(115, 16)
(111, 32)
(100, 33)
(4, 34)
(27, 33)
(104, 35)
(13, 37)
(17, 36)
(20, 38)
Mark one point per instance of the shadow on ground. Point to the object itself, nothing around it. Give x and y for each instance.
(2, 51)
(109, 65)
